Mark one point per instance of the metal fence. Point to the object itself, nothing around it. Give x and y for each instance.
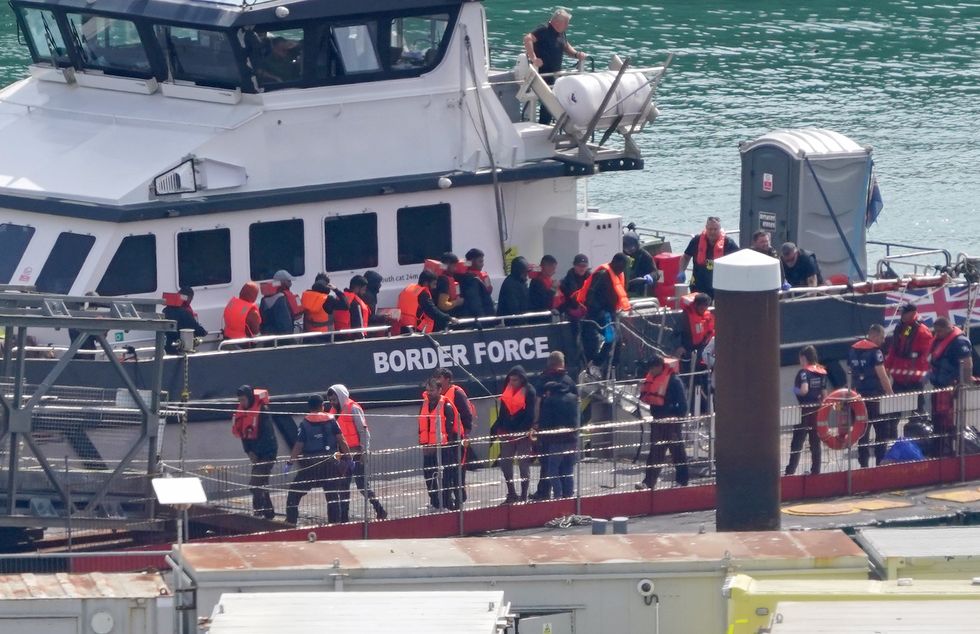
(609, 457)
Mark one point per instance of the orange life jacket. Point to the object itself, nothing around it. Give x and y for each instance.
(654, 388)
(236, 318)
(908, 356)
(341, 318)
(702, 327)
(295, 308)
(450, 395)
(245, 422)
(410, 309)
(315, 318)
(816, 368)
(513, 399)
(453, 286)
(484, 278)
(717, 250)
(345, 419)
(431, 418)
(618, 282)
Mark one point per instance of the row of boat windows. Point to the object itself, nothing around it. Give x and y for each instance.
(204, 257)
(265, 57)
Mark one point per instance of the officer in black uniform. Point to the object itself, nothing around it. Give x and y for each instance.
(870, 379)
(324, 463)
(810, 387)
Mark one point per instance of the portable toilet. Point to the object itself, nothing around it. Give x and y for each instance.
(812, 187)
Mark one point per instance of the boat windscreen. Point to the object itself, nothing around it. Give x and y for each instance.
(201, 56)
(44, 36)
(108, 44)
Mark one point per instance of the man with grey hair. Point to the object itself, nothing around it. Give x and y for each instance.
(546, 47)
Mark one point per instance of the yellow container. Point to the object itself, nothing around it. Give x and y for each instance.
(752, 602)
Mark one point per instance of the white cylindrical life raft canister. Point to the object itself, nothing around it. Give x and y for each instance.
(581, 96)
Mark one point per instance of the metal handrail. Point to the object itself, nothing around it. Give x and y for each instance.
(275, 339)
(502, 318)
(888, 246)
(883, 262)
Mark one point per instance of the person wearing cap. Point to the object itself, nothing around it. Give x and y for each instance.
(318, 450)
(570, 284)
(799, 267)
(704, 249)
(950, 365)
(907, 360)
(253, 425)
(641, 271)
(475, 288)
(285, 281)
(185, 318)
(603, 295)
(277, 316)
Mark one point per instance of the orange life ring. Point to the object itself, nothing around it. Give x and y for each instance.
(842, 436)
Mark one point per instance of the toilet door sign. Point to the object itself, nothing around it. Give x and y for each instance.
(767, 182)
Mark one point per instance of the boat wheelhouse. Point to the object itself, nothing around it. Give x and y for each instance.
(204, 144)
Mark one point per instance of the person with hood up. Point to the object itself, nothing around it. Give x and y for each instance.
(513, 429)
(475, 288)
(253, 425)
(370, 297)
(319, 449)
(513, 299)
(314, 303)
(350, 417)
(557, 429)
(185, 318)
(277, 316)
(643, 273)
(241, 316)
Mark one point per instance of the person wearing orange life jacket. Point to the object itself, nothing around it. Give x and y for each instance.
(439, 436)
(355, 315)
(663, 392)
(697, 328)
(241, 316)
(810, 388)
(350, 417)
(950, 364)
(513, 428)
(418, 310)
(186, 319)
(908, 356)
(870, 379)
(476, 288)
(314, 303)
(542, 292)
(275, 307)
(285, 281)
(574, 279)
(603, 295)
(704, 249)
(467, 418)
(321, 451)
(447, 294)
(253, 425)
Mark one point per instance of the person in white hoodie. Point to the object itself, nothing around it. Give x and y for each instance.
(353, 425)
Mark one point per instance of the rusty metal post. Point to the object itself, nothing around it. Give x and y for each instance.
(747, 391)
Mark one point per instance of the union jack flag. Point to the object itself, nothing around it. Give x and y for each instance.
(952, 303)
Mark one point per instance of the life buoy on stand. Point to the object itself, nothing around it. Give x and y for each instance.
(841, 436)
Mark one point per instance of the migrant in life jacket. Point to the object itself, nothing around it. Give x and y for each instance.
(245, 422)
(315, 317)
(702, 327)
(618, 283)
(410, 309)
(236, 318)
(654, 388)
(433, 428)
(348, 427)
(450, 395)
(342, 318)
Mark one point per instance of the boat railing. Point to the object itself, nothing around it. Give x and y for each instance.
(914, 261)
(274, 341)
(504, 319)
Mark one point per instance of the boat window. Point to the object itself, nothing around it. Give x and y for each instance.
(415, 40)
(351, 242)
(276, 245)
(204, 257)
(356, 45)
(133, 268)
(109, 44)
(276, 56)
(199, 55)
(65, 261)
(13, 242)
(44, 36)
(424, 233)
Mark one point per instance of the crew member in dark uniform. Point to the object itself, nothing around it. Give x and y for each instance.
(870, 379)
(704, 249)
(799, 268)
(546, 47)
(642, 273)
(950, 363)
(321, 444)
(810, 388)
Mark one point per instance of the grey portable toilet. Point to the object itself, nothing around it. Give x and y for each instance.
(794, 182)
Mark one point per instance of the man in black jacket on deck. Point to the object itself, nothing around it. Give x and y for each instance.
(513, 299)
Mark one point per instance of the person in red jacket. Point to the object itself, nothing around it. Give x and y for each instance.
(908, 357)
